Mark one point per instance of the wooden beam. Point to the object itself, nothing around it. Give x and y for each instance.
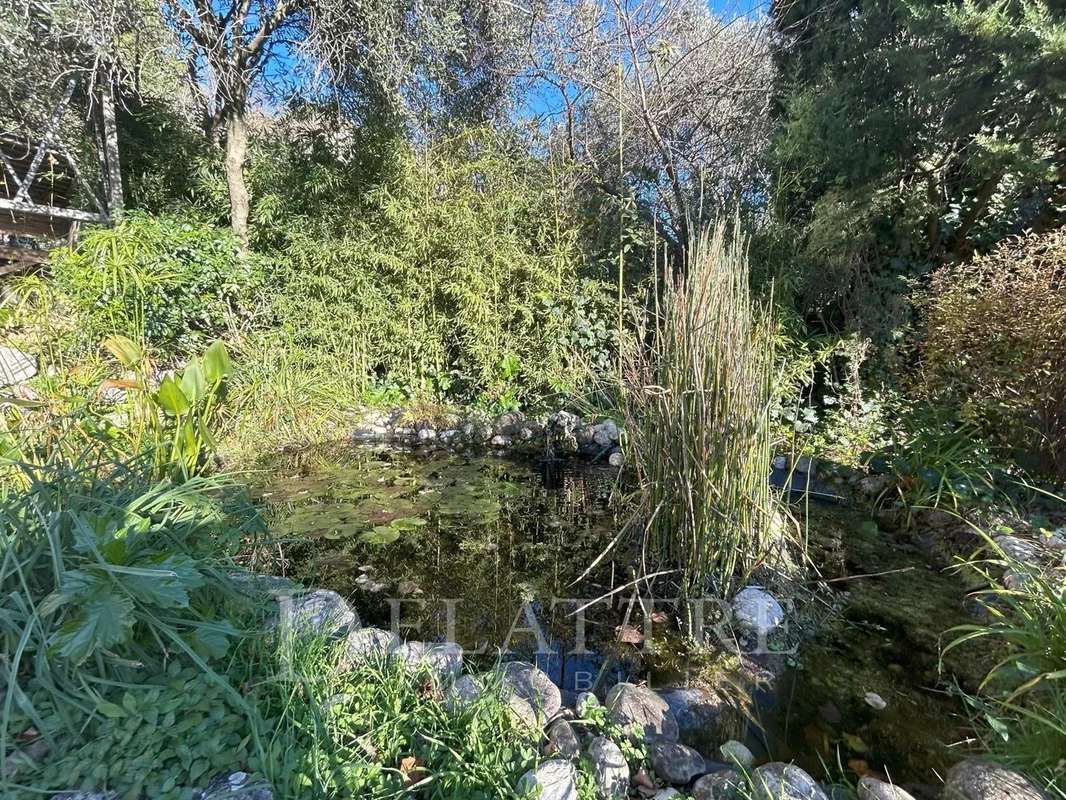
(51, 211)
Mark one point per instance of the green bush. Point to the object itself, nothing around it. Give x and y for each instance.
(173, 283)
(455, 278)
(995, 343)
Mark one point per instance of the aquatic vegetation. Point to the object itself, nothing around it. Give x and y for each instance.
(697, 395)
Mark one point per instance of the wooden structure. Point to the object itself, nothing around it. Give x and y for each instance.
(40, 182)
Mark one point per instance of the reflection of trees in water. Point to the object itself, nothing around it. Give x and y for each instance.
(529, 533)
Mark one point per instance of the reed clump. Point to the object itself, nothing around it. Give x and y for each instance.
(697, 392)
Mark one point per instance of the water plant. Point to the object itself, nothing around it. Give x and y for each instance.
(697, 394)
(173, 420)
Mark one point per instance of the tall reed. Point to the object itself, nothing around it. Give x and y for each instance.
(697, 387)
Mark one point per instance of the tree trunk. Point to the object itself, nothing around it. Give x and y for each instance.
(236, 153)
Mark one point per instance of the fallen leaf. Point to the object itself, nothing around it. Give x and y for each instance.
(629, 634)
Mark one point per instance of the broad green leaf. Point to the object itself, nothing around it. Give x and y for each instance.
(104, 620)
(193, 383)
(217, 365)
(164, 582)
(171, 398)
(126, 351)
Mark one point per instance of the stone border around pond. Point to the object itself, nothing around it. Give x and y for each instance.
(558, 434)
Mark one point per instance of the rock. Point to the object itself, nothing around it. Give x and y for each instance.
(367, 645)
(442, 660)
(585, 702)
(463, 693)
(1018, 549)
(1015, 579)
(427, 435)
(974, 779)
(16, 366)
(371, 433)
(234, 786)
(873, 485)
(510, 423)
(873, 789)
(756, 610)
(780, 781)
(616, 458)
(562, 741)
(736, 753)
(669, 793)
(368, 584)
(875, 701)
(728, 784)
(521, 710)
(321, 612)
(533, 686)
(609, 768)
(77, 795)
(449, 436)
(806, 465)
(551, 780)
(675, 762)
(704, 718)
(605, 433)
(500, 441)
(525, 434)
(643, 713)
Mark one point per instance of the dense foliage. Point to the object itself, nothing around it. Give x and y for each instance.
(994, 343)
(910, 133)
(174, 283)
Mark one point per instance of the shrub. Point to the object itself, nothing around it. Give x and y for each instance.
(697, 394)
(173, 283)
(456, 278)
(996, 343)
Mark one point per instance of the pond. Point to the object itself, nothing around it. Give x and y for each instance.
(500, 554)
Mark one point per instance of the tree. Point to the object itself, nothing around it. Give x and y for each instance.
(913, 133)
(662, 95)
(230, 45)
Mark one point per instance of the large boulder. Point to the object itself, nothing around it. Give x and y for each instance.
(16, 366)
(534, 686)
(704, 718)
(873, 789)
(643, 713)
(780, 781)
(974, 779)
(551, 780)
(676, 763)
(609, 768)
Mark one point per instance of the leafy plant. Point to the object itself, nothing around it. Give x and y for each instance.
(102, 573)
(169, 281)
(162, 738)
(174, 419)
(937, 462)
(1022, 700)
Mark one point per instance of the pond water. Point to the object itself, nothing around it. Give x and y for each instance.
(499, 554)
